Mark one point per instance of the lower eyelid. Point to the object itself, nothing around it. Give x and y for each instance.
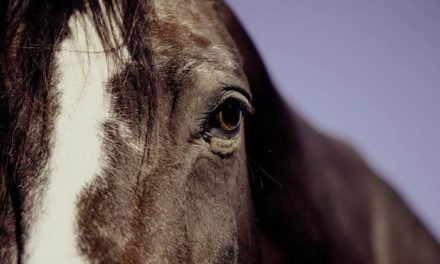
(224, 146)
(229, 134)
(208, 134)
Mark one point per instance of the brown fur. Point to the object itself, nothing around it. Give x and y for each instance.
(288, 194)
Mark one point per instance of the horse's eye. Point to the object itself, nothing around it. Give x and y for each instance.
(225, 119)
(229, 116)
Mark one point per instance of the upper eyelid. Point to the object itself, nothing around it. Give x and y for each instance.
(239, 89)
(233, 94)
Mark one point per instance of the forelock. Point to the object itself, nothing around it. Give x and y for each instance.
(30, 34)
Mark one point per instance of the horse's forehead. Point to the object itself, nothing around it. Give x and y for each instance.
(189, 12)
(190, 29)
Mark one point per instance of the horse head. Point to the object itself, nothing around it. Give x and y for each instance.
(150, 132)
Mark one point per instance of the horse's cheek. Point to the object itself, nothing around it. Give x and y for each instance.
(218, 209)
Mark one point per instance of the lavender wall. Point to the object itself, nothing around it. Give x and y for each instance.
(368, 71)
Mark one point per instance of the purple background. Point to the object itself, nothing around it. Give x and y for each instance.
(365, 70)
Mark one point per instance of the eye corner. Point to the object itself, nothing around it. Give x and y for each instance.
(249, 109)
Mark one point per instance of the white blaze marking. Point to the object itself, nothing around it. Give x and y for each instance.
(76, 153)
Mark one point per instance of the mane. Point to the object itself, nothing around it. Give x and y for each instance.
(30, 32)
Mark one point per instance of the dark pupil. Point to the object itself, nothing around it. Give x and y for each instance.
(231, 115)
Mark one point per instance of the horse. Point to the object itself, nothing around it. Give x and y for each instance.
(150, 132)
